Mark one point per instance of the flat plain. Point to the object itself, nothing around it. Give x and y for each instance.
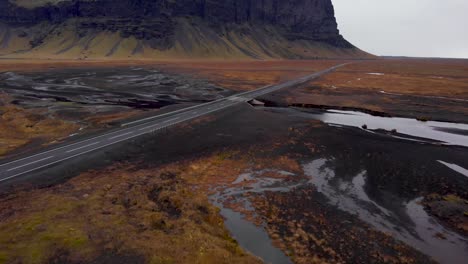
(306, 189)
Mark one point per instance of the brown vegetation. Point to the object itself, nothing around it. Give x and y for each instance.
(155, 215)
(451, 210)
(162, 214)
(312, 233)
(410, 77)
(18, 126)
(104, 120)
(402, 87)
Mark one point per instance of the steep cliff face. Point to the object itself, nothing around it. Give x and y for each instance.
(185, 28)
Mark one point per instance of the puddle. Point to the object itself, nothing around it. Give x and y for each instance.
(376, 73)
(446, 133)
(251, 237)
(406, 221)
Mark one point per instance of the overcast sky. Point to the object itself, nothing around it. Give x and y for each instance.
(424, 28)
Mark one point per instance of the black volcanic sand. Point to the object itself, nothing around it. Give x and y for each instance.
(357, 199)
(76, 93)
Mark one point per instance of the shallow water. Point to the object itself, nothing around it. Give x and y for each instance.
(443, 132)
(405, 220)
(251, 237)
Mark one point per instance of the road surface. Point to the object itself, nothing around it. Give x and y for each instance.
(45, 159)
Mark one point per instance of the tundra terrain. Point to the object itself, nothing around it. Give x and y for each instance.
(335, 170)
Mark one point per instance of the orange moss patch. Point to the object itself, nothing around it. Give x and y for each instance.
(391, 86)
(450, 209)
(18, 127)
(104, 119)
(412, 77)
(154, 213)
(161, 214)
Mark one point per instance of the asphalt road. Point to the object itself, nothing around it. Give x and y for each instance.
(46, 159)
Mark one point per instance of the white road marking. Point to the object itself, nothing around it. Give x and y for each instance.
(173, 112)
(121, 135)
(66, 146)
(455, 167)
(145, 128)
(24, 165)
(83, 147)
(264, 88)
(67, 158)
(223, 105)
(170, 120)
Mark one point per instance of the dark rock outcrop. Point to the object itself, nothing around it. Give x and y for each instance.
(260, 29)
(298, 19)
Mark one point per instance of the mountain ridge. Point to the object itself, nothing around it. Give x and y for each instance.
(265, 29)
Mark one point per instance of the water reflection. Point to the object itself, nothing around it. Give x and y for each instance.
(447, 133)
(251, 237)
(405, 220)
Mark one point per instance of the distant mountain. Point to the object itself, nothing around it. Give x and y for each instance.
(166, 29)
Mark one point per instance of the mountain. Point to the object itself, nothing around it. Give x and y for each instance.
(238, 29)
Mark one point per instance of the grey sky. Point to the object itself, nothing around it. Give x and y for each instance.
(425, 28)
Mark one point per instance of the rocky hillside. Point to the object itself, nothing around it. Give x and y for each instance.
(260, 29)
